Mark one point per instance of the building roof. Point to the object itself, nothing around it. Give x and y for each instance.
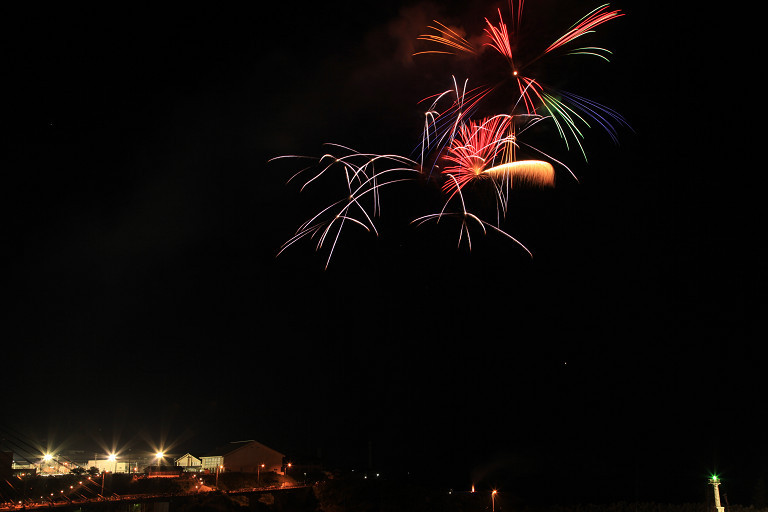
(234, 446)
(186, 455)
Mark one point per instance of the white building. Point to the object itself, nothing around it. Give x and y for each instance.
(212, 462)
(190, 463)
(111, 466)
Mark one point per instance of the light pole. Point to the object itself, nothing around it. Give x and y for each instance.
(159, 457)
(258, 474)
(47, 458)
(217, 474)
(493, 500)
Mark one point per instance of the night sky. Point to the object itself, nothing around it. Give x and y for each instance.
(147, 302)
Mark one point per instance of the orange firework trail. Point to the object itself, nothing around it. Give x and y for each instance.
(456, 149)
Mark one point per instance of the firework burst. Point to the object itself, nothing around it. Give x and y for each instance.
(457, 149)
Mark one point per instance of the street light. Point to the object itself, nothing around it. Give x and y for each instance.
(219, 467)
(493, 499)
(103, 474)
(48, 458)
(159, 458)
(258, 474)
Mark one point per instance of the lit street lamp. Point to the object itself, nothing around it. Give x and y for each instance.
(47, 458)
(159, 457)
(219, 467)
(258, 474)
(493, 500)
(103, 474)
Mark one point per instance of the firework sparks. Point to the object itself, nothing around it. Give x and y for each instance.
(476, 147)
(584, 26)
(569, 112)
(446, 37)
(535, 172)
(466, 218)
(364, 174)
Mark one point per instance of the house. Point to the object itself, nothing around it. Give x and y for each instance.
(190, 463)
(245, 457)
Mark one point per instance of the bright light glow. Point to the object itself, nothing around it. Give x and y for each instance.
(535, 172)
(112, 457)
(47, 457)
(159, 455)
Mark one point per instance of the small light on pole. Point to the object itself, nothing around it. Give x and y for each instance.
(159, 458)
(218, 468)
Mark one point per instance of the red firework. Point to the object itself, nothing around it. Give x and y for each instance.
(476, 147)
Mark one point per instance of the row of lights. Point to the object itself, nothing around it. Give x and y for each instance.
(111, 457)
(47, 457)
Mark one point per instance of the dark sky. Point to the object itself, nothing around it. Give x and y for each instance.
(148, 304)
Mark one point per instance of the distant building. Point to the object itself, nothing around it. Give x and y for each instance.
(163, 471)
(111, 466)
(190, 463)
(211, 462)
(24, 467)
(245, 457)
